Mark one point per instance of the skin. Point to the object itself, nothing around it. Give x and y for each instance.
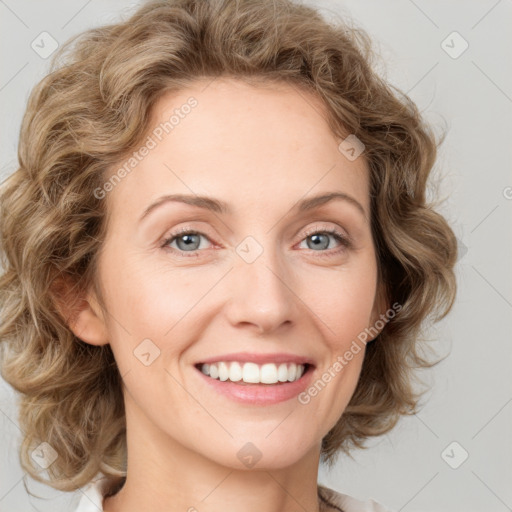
(260, 149)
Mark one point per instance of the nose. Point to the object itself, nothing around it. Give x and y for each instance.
(262, 296)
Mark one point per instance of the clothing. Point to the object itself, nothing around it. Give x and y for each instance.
(330, 500)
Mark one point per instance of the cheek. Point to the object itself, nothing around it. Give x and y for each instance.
(152, 298)
(148, 301)
(152, 303)
(342, 300)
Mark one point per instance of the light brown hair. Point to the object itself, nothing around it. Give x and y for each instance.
(94, 107)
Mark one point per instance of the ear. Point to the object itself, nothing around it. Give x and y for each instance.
(380, 306)
(81, 313)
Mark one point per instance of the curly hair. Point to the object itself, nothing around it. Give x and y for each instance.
(94, 107)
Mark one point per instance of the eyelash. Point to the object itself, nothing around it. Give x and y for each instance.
(343, 239)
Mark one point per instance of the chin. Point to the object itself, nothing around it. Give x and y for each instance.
(259, 453)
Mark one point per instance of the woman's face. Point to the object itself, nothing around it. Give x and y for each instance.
(261, 276)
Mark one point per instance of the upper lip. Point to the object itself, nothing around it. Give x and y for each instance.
(247, 357)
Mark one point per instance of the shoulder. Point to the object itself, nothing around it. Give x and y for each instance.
(338, 501)
(92, 499)
(91, 496)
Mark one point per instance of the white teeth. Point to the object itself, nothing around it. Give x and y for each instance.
(235, 372)
(282, 373)
(223, 371)
(214, 371)
(268, 374)
(253, 373)
(292, 372)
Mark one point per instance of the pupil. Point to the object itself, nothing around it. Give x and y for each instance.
(188, 240)
(318, 242)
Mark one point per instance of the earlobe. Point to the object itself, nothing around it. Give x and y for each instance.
(82, 315)
(88, 325)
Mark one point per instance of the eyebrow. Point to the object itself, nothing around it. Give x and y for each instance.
(221, 207)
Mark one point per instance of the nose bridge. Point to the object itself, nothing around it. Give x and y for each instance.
(263, 292)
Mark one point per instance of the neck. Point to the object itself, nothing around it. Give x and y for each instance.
(164, 475)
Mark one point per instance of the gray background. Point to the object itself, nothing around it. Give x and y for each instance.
(471, 395)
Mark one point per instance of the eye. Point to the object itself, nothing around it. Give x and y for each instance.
(318, 240)
(187, 240)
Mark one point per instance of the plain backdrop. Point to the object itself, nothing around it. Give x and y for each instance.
(454, 60)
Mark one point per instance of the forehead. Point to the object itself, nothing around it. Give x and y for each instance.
(243, 143)
(232, 111)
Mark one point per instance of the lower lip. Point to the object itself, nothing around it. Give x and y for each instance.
(259, 394)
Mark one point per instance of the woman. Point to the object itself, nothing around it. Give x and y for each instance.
(217, 258)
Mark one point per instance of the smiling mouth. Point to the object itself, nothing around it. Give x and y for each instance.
(250, 374)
